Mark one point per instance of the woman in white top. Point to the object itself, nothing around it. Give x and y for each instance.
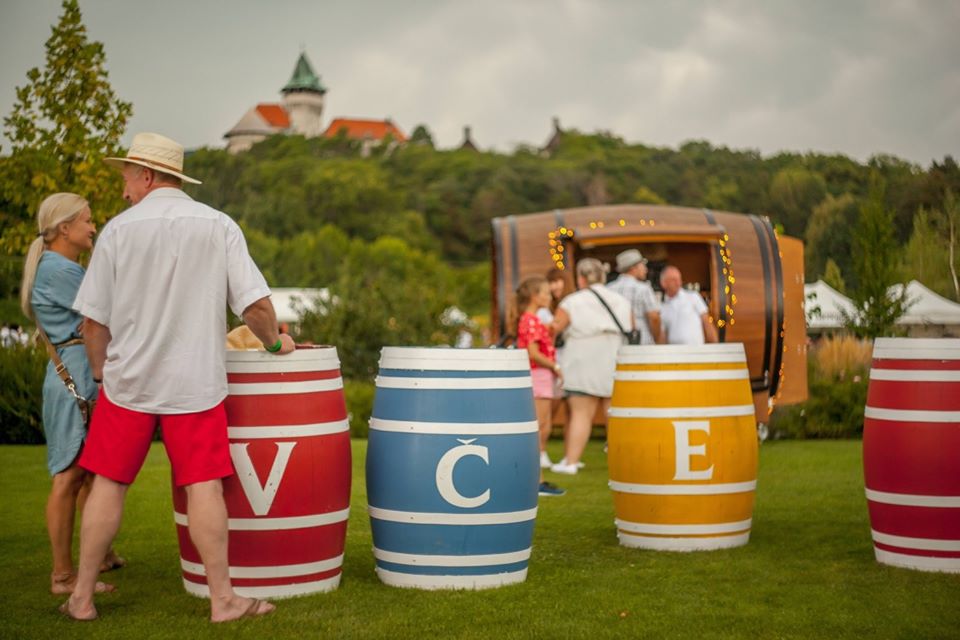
(589, 356)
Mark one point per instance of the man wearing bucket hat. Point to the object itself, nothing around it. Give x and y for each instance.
(154, 303)
(632, 284)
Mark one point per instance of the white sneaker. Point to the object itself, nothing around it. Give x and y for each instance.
(568, 469)
(580, 465)
(545, 460)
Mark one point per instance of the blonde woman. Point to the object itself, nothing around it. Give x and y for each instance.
(51, 277)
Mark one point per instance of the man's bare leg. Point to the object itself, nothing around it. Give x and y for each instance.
(207, 522)
(101, 521)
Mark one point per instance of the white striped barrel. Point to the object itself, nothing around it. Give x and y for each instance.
(452, 468)
(911, 453)
(682, 447)
(289, 501)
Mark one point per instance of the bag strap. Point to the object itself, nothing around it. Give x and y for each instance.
(60, 368)
(610, 311)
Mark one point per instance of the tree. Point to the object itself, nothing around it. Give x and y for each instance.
(421, 135)
(876, 307)
(829, 236)
(385, 294)
(794, 192)
(834, 277)
(65, 121)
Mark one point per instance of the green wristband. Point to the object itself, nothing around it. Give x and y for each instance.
(276, 346)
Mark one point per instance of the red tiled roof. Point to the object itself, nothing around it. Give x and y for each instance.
(361, 129)
(274, 114)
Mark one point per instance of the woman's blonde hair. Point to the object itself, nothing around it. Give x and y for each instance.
(592, 270)
(54, 210)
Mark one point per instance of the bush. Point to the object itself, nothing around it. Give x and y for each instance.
(359, 397)
(21, 400)
(838, 372)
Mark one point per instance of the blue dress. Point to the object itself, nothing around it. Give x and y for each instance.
(54, 289)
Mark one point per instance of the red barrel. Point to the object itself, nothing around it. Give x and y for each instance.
(289, 500)
(911, 440)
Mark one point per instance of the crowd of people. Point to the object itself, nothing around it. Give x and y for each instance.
(573, 339)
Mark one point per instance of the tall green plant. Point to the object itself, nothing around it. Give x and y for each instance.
(876, 265)
(65, 121)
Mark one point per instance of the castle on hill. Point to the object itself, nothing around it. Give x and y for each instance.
(300, 112)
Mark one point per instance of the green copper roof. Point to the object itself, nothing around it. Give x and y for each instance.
(303, 78)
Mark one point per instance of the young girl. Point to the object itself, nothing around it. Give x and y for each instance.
(534, 294)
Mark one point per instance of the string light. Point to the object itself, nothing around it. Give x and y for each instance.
(555, 241)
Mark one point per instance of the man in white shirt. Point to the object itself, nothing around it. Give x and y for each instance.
(684, 314)
(632, 284)
(154, 299)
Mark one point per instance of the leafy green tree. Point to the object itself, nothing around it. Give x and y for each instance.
(876, 265)
(65, 121)
(834, 277)
(421, 135)
(794, 192)
(829, 236)
(646, 195)
(385, 294)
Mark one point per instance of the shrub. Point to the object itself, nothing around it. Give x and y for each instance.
(838, 373)
(21, 401)
(359, 397)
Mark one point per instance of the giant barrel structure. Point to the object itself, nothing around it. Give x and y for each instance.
(452, 468)
(682, 447)
(750, 277)
(911, 453)
(289, 500)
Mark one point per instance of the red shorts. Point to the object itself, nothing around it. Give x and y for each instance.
(119, 439)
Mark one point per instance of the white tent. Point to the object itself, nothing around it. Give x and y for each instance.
(290, 303)
(925, 310)
(823, 305)
(926, 307)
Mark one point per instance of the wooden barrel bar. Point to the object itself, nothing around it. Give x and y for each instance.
(752, 278)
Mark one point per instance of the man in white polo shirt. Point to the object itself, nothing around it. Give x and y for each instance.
(154, 300)
(684, 315)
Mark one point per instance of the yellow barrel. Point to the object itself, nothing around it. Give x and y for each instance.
(682, 447)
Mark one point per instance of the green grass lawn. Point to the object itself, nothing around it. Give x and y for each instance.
(808, 571)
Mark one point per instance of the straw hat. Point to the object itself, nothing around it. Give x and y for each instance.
(157, 152)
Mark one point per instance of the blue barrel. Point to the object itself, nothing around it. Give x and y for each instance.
(452, 468)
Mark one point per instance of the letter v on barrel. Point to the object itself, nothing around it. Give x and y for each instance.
(444, 475)
(260, 497)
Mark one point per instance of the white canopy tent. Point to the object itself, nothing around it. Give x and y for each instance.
(927, 310)
(927, 307)
(823, 305)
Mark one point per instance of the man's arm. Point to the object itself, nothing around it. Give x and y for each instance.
(653, 321)
(262, 320)
(709, 331)
(96, 337)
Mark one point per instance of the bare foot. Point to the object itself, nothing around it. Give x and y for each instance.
(242, 608)
(112, 561)
(62, 584)
(80, 614)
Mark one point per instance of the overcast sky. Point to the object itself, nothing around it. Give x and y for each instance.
(857, 77)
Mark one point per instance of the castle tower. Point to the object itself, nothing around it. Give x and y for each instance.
(303, 100)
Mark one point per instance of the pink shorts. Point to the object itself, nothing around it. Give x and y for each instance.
(542, 382)
(119, 439)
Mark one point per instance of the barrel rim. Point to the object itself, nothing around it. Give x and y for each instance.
(684, 349)
(447, 359)
(916, 349)
(255, 361)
